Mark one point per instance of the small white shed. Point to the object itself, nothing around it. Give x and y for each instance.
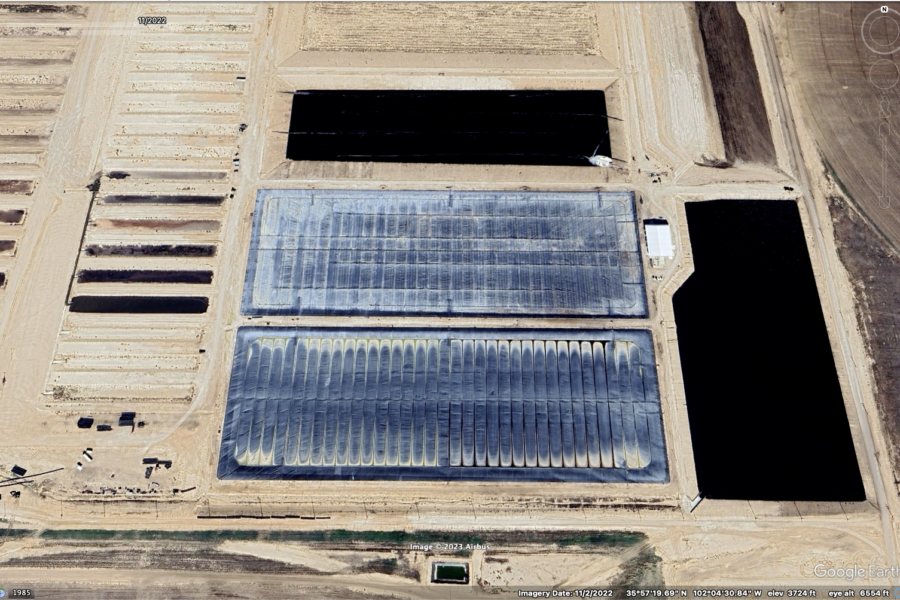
(659, 239)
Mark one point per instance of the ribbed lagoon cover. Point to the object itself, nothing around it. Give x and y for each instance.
(335, 252)
(424, 404)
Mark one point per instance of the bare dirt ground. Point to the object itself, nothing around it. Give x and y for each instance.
(507, 28)
(874, 268)
(738, 95)
(838, 92)
(501, 562)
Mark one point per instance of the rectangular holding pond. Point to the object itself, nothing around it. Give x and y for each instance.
(768, 420)
(533, 127)
(537, 254)
(541, 405)
(450, 573)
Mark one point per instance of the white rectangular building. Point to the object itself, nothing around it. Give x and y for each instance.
(659, 239)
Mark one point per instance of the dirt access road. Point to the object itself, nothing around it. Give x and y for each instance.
(880, 471)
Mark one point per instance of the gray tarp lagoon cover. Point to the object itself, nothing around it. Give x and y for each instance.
(542, 405)
(334, 252)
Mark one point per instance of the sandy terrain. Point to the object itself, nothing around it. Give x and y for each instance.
(177, 104)
(735, 82)
(567, 28)
(873, 266)
(837, 84)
